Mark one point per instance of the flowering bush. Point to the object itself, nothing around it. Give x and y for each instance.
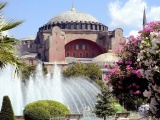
(125, 77)
(138, 66)
(149, 55)
(149, 60)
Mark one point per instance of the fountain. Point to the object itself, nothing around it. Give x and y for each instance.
(75, 93)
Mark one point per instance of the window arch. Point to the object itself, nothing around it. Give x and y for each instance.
(67, 55)
(74, 54)
(80, 55)
(87, 55)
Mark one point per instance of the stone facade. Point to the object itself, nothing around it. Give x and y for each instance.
(61, 38)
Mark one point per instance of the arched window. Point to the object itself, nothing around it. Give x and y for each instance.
(87, 55)
(83, 46)
(77, 46)
(63, 26)
(80, 45)
(75, 26)
(80, 55)
(92, 47)
(92, 54)
(67, 47)
(67, 55)
(74, 46)
(96, 27)
(74, 54)
(86, 47)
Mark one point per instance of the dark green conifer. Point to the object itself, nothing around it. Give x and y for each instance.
(105, 104)
(7, 110)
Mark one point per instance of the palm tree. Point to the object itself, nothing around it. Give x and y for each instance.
(8, 45)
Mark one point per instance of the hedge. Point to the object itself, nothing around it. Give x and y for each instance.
(45, 109)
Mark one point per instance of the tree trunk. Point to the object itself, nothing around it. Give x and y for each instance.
(104, 117)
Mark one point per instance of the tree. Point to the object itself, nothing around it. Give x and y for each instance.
(91, 71)
(105, 104)
(76, 70)
(29, 70)
(7, 110)
(8, 45)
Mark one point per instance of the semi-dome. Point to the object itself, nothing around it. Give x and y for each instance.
(73, 16)
(106, 57)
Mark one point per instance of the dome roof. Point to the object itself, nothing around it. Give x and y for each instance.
(106, 57)
(74, 16)
(29, 38)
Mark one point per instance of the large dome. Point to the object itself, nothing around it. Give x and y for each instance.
(74, 20)
(73, 16)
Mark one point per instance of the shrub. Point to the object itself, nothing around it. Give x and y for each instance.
(37, 114)
(45, 109)
(7, 110)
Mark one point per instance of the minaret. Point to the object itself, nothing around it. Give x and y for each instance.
(73, 9)
(144, 19)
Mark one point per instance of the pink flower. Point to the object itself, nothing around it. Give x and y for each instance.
(114, 70)
(138, 92)
(121, 43)
(128, 62)
(119, 87)
(119, 82)
(107, 77)
(118, 51)
(120, 62)
(131, 91)
(137, 86)
(106, 66)
(129, 68)
(134, 84)
(137, 72)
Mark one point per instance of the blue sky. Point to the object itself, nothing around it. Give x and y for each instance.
(125, 14)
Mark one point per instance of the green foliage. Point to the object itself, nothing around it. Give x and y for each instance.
(124, 90)
(105, 104)
(29, 70)
(44, 109)
(7, 45)
(7, 110)
(75, 71)
(91, 71)
(37, 114)
(100, 83)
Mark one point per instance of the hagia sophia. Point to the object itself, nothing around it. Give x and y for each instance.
(69, 37)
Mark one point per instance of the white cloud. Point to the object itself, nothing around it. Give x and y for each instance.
(127, 14)
(130, 13)
(134, 33)
(153, 14)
